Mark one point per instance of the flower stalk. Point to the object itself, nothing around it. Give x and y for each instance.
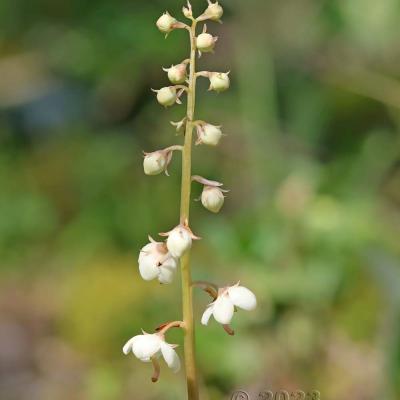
(187, 292)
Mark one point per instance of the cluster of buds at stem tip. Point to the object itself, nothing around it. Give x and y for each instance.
(157, 162)
(224, 305)
(212, 196)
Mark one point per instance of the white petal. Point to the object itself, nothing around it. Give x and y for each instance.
(146, 346)
(242, 297)
(148, 268)
(223, 309)
(166, 274)
(170, 262)
(207, 314)
(128, 345)
(170, 357)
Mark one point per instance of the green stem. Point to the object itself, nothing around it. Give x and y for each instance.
(187, 295)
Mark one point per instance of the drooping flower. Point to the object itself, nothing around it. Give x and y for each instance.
(213, 12)
(212, 196)
(179, 240)
(208, 134)
(166, 23)
(167, 96)
(156, 162)
(228, 298)
(205, 42)
(156, 262)
(151, 346)
(177, 73)
(219, 81)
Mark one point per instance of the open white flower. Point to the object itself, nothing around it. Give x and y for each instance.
(156, 262)
(151, 346)
(228, 298)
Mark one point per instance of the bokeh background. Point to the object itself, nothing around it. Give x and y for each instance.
(312, 222)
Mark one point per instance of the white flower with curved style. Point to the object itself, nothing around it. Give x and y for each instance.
(179, 240)
(228, 298)
(151, 346)
(156, 262)
(166, 23)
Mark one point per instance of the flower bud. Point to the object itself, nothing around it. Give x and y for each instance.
(155, 163)
(205, 42)
(166, 23)
(177, 73)
(179, 240)
(212, 198)
(214, 11)
(219, 81)
(208, 134)
(167, 96)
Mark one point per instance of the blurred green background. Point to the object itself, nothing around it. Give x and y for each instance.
(312, 222)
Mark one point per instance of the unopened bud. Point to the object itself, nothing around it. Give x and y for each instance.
(212, 198)
(179, 240)
(155, 163)
(167, 96)
(177, 73)
(219, 81)
(214, 11)
(166, 23)
(208, 134)
(205, 42)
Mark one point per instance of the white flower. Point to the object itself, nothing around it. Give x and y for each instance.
(205, 42)
(156, 162)
(167, 96)
(219, 81)
(212, 198)
(177, 73)
(208, 134)
(166, 23)
(223, 307)
(156, 262)
(148, 346)
(179, 240)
